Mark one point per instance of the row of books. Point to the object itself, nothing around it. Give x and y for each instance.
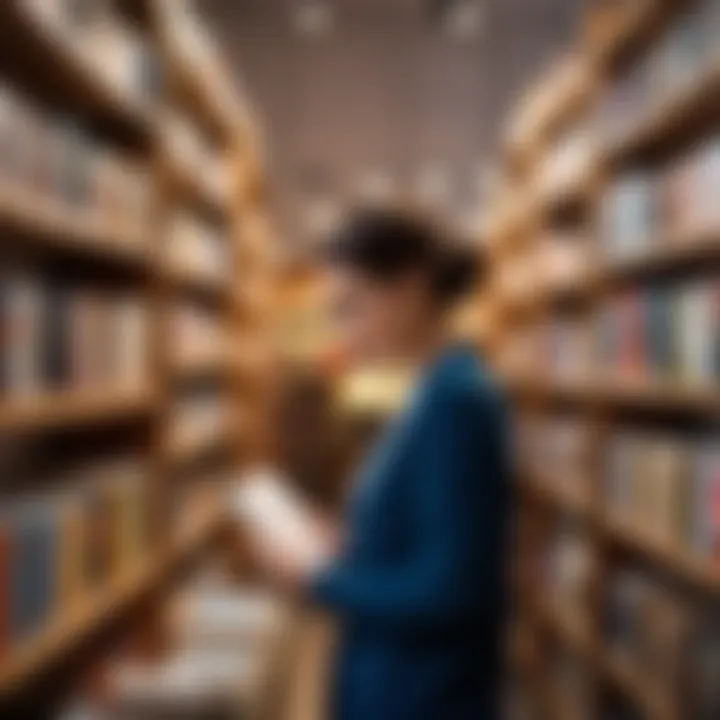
(198, 419)
(574, 689)
(673, 643)
(199, 247)
(668, 333)
(667, 487)
(687, 49)
(644, 209)
(57, 547)
(567, 165)
(197, 334)
(555, 449)
(567, 575)
(57, 337)
(52, 159)
(96, 30)
(195, 156)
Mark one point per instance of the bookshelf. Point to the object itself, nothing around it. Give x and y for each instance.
(618, 537)
(130, 199)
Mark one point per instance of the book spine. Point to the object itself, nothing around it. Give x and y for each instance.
(5, 588)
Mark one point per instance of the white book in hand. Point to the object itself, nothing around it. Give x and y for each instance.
(277, 519)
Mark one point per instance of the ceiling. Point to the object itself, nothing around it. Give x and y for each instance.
(385, 92)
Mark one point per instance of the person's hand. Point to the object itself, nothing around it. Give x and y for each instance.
(290, 568)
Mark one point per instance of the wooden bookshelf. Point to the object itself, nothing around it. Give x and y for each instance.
(59, 410)
(44, 64)
(49, 225)
(103, 608)
(48, 64)
(674, 119)
(597, 398)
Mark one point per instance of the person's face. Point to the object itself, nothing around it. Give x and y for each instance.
(377, 320)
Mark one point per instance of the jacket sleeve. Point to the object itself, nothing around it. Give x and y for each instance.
(457, 490)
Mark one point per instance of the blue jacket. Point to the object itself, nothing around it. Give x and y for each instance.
(420, 587)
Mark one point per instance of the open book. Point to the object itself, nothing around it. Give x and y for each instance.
(277, 518)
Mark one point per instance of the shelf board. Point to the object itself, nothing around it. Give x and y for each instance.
(50, 411)
(50, 648)
(664, 397)
(49, 65)
(194, 190)
(573, 502)
(694, 571)
(677, 118)
(199, 285)
(188, 451)
(621, 673)
(50, 225)
(676, 252)
(197, 89)
(201, 367)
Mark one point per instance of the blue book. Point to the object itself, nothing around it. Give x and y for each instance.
(33, 568)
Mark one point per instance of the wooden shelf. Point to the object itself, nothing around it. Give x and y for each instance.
(196, 284)
(574, 502)
(51, 647)
(201, 367)
(680, 116)
(677, 252)
(50, 225)
(663, 397)
(49, 411)
(621, 673)
(692, 570)
(49, 65)
(188, 451)
(195, 190)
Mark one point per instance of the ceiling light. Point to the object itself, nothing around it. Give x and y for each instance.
(321, 215)
(375, 185)
(313, 17)
(464, 19)
(433, 185)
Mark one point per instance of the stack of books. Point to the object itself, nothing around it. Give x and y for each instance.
(668, 487)
(190, 151)
(671, 642)
(666, 333)
(56, 547)
(568, 573)
(567, 349)
(688, 48)
(58, 337)
(198, 334)
(53, 160)
(556, 447)
(95, 29)
(200, 248)
(199, 418)
(647, 211)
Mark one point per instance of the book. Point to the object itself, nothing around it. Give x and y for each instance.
(22, 309)
(276, 518)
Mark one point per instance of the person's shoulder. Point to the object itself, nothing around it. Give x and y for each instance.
(465, 384)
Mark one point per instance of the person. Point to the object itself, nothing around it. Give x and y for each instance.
(418, 586)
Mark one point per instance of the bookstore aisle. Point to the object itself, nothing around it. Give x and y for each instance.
(143, 291)
(604, 320)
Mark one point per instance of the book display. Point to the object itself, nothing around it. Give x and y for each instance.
(129, 194)
(611, 352)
